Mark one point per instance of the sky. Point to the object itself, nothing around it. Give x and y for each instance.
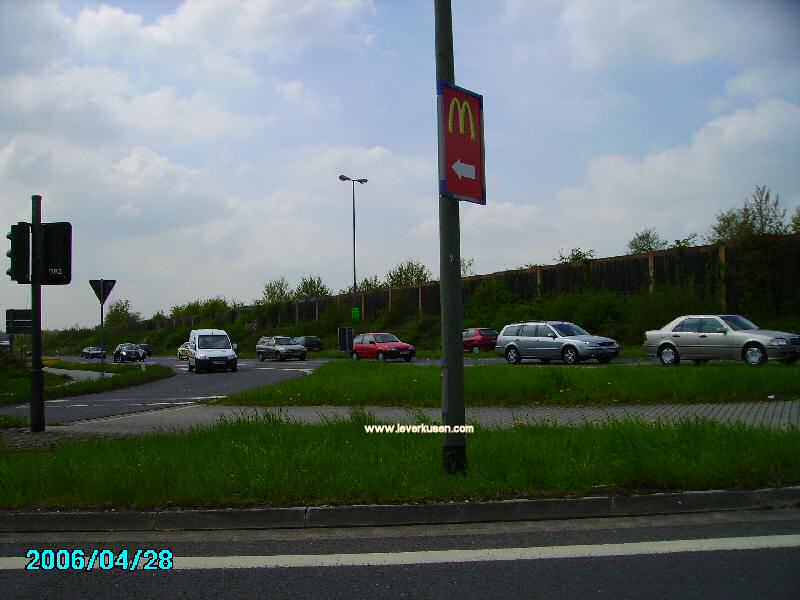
(196, 146)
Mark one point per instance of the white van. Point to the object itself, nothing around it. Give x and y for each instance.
(211, 349)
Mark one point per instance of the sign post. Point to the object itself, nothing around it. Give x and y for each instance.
(461, 177)
(102, 288)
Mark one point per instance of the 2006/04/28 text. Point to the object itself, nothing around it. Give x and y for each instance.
(148, 559)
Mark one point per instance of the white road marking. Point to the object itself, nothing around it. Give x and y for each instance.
(466, 556)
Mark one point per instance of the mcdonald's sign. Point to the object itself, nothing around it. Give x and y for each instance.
(461, 171)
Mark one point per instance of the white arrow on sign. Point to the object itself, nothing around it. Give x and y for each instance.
(464, 170)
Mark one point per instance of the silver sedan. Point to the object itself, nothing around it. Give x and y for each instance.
(701, 338)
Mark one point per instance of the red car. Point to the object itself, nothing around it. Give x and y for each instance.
(479, 338)
(382, 346)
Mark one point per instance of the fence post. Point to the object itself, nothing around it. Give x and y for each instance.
(419, 298)
(538, 280)
(651, 272)
(390, 299)
(723, 292)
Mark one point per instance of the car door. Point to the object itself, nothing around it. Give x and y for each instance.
(466, 340)
(527, 341)
(712, 339)
(547, 339)
(370, 347)
(686, 337)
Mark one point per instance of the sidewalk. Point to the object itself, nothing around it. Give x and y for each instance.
(773, 414)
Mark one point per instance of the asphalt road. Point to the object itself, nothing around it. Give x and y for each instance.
(725, 555)
(183, 389)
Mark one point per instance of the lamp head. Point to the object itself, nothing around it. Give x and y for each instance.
(344, 178)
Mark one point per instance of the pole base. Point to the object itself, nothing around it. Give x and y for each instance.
(455, 459)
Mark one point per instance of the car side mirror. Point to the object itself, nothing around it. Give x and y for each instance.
(235, 346)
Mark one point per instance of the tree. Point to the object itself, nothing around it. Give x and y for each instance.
(759, 215)
(575, 255)
(646, 240)
(277, 290)
(121, 314)
(408, 273)
(687, 242)
(466, 266)
(795, 222)
(369, 284)
(311, 287)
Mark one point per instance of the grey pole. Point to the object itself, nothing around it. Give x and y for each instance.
(355, 289)
(454, 445)
(102, 342)
(37, 374)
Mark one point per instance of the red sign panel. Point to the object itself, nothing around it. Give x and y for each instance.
(461, 172)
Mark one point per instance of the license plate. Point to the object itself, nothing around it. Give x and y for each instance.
(403, 351)
(219, 362)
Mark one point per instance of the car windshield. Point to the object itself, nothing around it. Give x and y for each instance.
(738, 323)
(385, 337)
(567, 329)
(213, 342)
(130, 347)
(284, 340)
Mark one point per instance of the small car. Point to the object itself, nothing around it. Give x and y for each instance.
(311, 342)
(93, 352)
(183, 351)
(553, 340)
(383, 346)
(701, 338)
(280, 348)
(479, 338)
(147, 349)
(128, 352)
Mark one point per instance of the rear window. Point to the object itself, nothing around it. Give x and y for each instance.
(511, 330)
(488, 332)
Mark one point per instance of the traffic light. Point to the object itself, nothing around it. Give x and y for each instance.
(20, 236)
(56, 253)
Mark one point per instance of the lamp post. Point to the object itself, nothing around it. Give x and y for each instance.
(354, 181)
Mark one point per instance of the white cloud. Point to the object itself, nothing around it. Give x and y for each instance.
(295, 92)
(607, 33)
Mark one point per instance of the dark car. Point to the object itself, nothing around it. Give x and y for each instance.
(280, 348)
(93, 352)
(479, 338)
(311, 342)
(147, 349)
(382, 346)
(128, 352)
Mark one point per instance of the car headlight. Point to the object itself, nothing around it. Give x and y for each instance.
(592, 344)
(779, 342)
(124, 353)
(201, 356)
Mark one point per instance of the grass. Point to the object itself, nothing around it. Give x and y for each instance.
(363, 383)
(263, 461)
(12, 421)
(15, 379)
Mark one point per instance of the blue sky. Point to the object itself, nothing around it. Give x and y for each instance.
(195, 146)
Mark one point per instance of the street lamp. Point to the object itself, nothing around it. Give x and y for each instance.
(354, 181)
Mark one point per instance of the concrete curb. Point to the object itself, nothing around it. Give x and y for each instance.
(404, 514)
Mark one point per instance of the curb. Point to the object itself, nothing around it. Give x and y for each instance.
(404, 514)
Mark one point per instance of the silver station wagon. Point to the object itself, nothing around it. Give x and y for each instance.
(553, 340)
(701, 338)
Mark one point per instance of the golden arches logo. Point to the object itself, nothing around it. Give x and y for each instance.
(464, 110)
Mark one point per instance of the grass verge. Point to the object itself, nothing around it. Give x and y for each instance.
(266, 462)
(15, 383)
(362, 383)
(12, 421)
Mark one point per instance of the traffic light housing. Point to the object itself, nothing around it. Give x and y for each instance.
(20, 236)
(56, 253)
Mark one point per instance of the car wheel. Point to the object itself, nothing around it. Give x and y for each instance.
(354, 355)
(407, 358)
(191, 366)
(754, 354)
(668, 355)
(512, 356)
(381, 357)
(279, 357)
(476, 350)
(234, 368)
(570, 356)
(260, 356)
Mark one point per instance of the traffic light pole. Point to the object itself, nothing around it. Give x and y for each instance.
(454, 445)
(37, 374)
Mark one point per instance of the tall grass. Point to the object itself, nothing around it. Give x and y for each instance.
(263, 461)
(370, 383)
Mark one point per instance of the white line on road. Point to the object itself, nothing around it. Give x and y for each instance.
(464, 556)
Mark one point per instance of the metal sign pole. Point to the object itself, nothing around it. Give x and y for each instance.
(454, 445)
(37, 374)
(102, 342)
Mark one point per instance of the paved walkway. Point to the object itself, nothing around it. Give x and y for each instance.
(773, 414)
